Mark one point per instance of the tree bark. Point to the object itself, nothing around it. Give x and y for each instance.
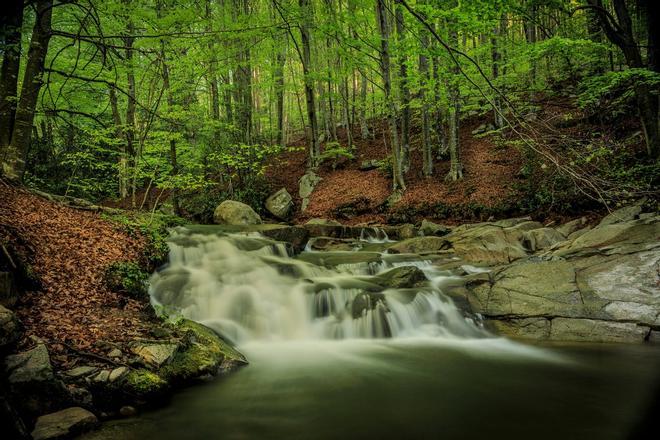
(314, 147)
(14, 160)
(456, 166)
(403, 89)
(383, 26)
(9, 73)
(427, 151)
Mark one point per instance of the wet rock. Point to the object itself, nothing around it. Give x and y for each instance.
(566, 329)
(155, 354)
(418, 245)
(543, 238)
(490, 244)
(429, 228)
(323, 221)
(400, 278)
(280, 204)
(407, 231)
(296, 236)
(364, 302)
(524, 328)
(64, 424)
(231, 212)
(331, 244)
(306, 186)
(10, 327)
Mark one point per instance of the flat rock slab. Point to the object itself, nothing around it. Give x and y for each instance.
(30, 366)
(84, 370)
(64, 424)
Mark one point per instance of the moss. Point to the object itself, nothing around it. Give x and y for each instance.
(127, 277)
(204, 353)
(144, 383)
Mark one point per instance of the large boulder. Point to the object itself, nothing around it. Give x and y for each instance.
(621, 215)
(155, 354)
(489, 243)
(419, 245)
(10, 327)
(280, 204)
(430, 228)
(542, 238)
(31, 379)
(400, 277)
(64, 424)
(307, 183)
(294, 235)
(231, 212)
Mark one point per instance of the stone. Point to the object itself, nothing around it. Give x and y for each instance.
(306, 186)
(231, 212)
(280, 204)
(296, 236)
(82, 371)
(542, 238)
(331, 244)
(483, 128)
(574, 225)
(64, 424)
(567, 329)
(8, 292)
(621, 215)
(117, 373)
(10, 327)
(115, 353)
(632, 232)
(429, 228)
(323, 221)
(371, 164)
(489, 244)
(30, 366)
(128, 411)
(155, 354)
(81, 396)
(418, 245)
(400, 277)
(525, 328)
(103, 376)
(407, 231)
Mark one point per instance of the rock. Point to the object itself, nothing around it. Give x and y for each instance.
(400, 277)
(579, 233)
(10, 327)
(543, 238)
(117, 373)
(306, 184)
(323, 221)
(419, 245)
(621, 215)
(30, 366)
(371, 164)
(155, 355)
(429, 228)
(331, 244)
(631, 232)
(82, 371)
(128, 411)
(8, 292)
(296, 236)
(103, 376)
(574, 225)
(142, 384)
(489, 244)
(81, 396)
(525, 225)
(366, 301)
(407, 231)
(566, 329)
(231, 212)
(115, 353)
(64, 424)
(525, 328)
(280, 204)
(483, 128)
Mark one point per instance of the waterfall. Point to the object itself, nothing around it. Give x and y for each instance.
(251, 288)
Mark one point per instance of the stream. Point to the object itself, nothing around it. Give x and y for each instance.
(336, 352)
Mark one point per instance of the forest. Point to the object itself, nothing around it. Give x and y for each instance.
(371, 218)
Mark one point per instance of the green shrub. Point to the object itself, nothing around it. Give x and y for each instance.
(335, 154)
(127, 277)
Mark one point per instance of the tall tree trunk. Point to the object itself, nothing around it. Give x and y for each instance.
(279, 94)
(14, 160)
(456, 167)
(212, 78)
(496, 57)
(427, 151)
(131, 152)
(362, 113)
(314, 148)
(244, 82)
(11, 35)
(383, 26)
(403, 89)
(119, 134)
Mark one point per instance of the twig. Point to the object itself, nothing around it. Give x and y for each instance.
(11, 260)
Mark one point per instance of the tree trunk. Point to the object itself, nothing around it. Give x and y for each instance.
(427, 151)
(314, 148)
(496, 61)
(383, 26)
(362, 113)
(9, 73)
(130, 113)
(403, 89)
(244, 82)
(14, 161)
(119, 134)
(212, 78)
(456, 167)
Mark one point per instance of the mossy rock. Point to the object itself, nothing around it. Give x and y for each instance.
(143, 384)
(204, 354)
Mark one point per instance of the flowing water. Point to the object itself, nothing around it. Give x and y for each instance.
(337, 354)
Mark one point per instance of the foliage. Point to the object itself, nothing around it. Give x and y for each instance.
(335, 154)
(127, 277)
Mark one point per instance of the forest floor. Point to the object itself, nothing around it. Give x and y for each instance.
(489, 178)
(68, 251)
